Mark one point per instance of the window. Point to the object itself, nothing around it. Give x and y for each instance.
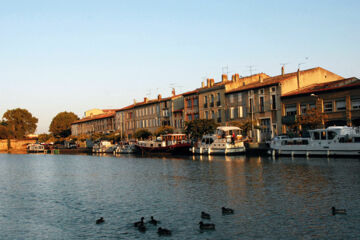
(290, 110)
(212, 99)
(189, 117)
(239, 97)
(240, 112)
(205, 99)
(232, 110)
(206, 115)
(231, 98)
(328, 106)
(261, 103)
(196, 101)
(212, 114)
(331, 135)
(261, 91)
(273, 89)
(250, 105)
(340, 105)
(218, 97)
(189, 103)
(355, 103)
(196, 116)
(303, 108)
(273, 102)
(312, 105)
(316, 136)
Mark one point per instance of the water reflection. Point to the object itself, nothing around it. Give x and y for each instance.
(281, 198)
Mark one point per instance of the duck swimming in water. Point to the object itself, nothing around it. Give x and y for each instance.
(206, 226)
(100, 220)
(227, 210)
(337, 211)
(153, 221)
(164, 231)
(142, 227)
(141, 222)
(205, 215)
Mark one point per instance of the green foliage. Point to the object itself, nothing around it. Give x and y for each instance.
(199, 127)
(164, 130)
(313, 118)
(44, 137)
(20, 122)
(60, 126)
(142, 134)
(245, 125)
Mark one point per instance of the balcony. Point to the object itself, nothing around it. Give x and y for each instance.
(288, 120)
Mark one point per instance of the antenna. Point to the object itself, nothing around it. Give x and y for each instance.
(300, 64)
(251, 69)
(284, 64)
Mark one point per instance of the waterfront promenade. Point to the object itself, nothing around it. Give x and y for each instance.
(61, 196)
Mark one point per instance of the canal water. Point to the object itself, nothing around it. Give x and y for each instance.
(61, 196)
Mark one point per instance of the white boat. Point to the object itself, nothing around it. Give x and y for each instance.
(125, 149)
(35, 148)
(227, 140)
(104, 147)
(339, 140)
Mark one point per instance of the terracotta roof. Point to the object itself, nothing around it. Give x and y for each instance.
(328, 86)
(271, 80)
(95, 117)
(191, 92)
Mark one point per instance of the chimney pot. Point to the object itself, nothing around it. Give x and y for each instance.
(298, 78)
(173, 92)
(208, 82)
(237, 78)
(145, 99)
(282, 71)
(224, 78)
(212, 82)
(159, 96)
(202, 84)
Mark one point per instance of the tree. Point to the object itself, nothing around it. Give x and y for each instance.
(44, 137)
(199, 127)
(164, 130)
(245, 125)
(142, 134)
(20, 122)
(313, 118)
(61, 124)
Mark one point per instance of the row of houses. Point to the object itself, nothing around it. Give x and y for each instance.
(271, 103)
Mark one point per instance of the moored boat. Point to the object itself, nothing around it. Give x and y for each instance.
(226, 141)
(103, 147)
(35, 148)
(125, 149)
(332, 141)
(169, 143)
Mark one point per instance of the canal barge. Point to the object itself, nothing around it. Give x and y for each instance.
(332, 141)
(226, 141)
(169, 143)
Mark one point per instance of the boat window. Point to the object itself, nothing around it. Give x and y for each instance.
(331, 135)
(342, 140)
(211, 140)
(316, 135)
(357, 139)
(323, 135)
(305, 142)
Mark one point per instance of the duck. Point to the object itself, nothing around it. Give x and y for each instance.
(141, 222)
(141, 227)
(163, 231)
(206, 226)
(337, 211)
(100, 220)
(153, 221)
(227, 210)
(205, 215)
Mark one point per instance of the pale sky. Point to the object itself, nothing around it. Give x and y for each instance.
(77, 55)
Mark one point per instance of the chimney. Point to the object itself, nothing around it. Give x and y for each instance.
(212, 82)
(145, 99)
(208, 82)
(232, 78)
(282, 71)
(202, 85)
(134, 101)
(260, 79)
(224, 78)
(159, 96)
(173, 92)
(237, 78)
(298, 78)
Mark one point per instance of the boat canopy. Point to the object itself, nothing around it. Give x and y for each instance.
(228, 128)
